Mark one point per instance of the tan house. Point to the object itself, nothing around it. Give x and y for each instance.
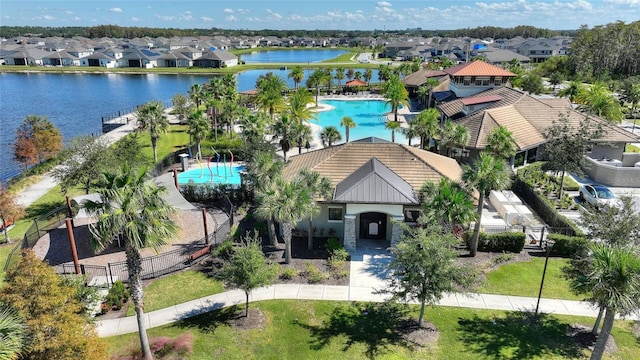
(376, 185)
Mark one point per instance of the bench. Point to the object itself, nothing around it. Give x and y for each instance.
(200, 253)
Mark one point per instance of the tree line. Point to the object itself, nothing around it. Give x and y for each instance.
(130, 32)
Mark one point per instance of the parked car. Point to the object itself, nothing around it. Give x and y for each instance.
(597, 195)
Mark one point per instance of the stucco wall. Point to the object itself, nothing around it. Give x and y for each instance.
(611, 175)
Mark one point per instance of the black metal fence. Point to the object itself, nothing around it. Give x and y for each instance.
(39, 227)
(95, 275)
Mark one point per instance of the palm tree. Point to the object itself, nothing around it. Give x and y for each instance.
(329, 135)
(614, 281)
(196, 94)
(339, 76)
(283, 128)
(316, 79)
(575, 87)
(631, 94)
(287, 202)
(348, 123)
(134, 209)
(396, 94)
(350, 73)
(393, 126)
(368, 75)
(484, 174)
(500, 143)
(599, 101)
(297, 74)
(263, 171)
(198, 127)
(269, 95)
(384, 73)
(319, 187)
(452, 135)
(447, 203)
(302, 134)
(13, 334)
(410, 132)
(427, 125)
(151, 117)
(298, 109)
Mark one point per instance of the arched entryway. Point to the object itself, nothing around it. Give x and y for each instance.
(373, 225)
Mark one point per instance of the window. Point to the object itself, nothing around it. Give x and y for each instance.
(335, 214)
(411, 215)
(498, 82)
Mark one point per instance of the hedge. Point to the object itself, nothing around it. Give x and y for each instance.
(542, 207)
(502, 242)
(567, 246)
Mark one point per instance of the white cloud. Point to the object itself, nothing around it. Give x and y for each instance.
(165, 17)
(116, 10)
(76, 18)
(206, 19)
(274, 14)
(231, 18)
(243, 11)
(186, 16)
(48, 17)
(632, 3)
(227, 11)
(383, 4)
(68, 12)
(134, 19)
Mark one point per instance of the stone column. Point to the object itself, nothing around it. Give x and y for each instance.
(396, 230)
(350, 232)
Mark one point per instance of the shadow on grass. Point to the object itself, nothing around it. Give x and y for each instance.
(38, 209)
(518, 335)
(377, 326)
(210, 320)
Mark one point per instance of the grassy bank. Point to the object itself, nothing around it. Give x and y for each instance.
(340, 330)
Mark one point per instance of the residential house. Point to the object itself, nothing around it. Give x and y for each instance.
(216, 59)
(26, 56)
(100, 59)
(376, 185)
(60, 58)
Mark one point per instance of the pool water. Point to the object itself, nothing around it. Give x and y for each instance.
(369, 115)
(215, 174)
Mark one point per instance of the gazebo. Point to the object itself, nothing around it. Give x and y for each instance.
(354, 84)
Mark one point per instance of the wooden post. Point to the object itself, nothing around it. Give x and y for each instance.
(70, 210)
(206, 230)
(175, 178)
(72, 244)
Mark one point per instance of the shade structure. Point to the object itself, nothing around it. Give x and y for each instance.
(355, 82)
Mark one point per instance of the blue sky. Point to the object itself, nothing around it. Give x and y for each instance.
(320, 14)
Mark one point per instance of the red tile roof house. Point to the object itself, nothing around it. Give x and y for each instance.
(484, 103)
(376, 185)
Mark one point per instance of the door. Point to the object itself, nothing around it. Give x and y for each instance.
(373, 225)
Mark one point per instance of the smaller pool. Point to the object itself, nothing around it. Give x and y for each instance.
(217, 174)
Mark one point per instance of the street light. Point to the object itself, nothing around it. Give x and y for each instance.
(549, 245)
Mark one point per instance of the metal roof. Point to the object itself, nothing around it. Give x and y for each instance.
(374, 183)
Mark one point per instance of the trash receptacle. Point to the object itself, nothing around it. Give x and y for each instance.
(184, 160)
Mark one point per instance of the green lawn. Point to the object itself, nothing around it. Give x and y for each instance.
(178, 288)
(339, 330)
(523, 279)
(5, 249)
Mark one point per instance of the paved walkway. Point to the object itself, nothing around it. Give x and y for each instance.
(175, 313)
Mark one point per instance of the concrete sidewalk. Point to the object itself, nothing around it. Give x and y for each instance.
(178, 312)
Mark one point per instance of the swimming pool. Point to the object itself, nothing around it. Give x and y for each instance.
(217, 174)
(369, 115)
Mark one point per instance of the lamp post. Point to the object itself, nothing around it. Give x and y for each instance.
(549, 245)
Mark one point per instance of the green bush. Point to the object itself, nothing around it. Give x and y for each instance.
(568, 246)
(340, 254)
(314, 275)
(287, 273)
(117, 296)
(333, 244)
(224, 250)
(502, 242)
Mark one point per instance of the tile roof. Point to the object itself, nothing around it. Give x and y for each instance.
(480, 99)
(420, 77)
(415, 166)
(526, 117)
(478, 68)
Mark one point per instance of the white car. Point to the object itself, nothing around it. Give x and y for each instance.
(598, 195)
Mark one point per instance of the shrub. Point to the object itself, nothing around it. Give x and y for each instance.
(502, 242)
(340, 254)
(568, 246)
(503, 258)
(224, 250)
(333, 244)
(287, 273)
(117, 295)
(314, 275)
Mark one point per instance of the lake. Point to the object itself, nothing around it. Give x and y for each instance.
(75, 103)
(291, 56)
